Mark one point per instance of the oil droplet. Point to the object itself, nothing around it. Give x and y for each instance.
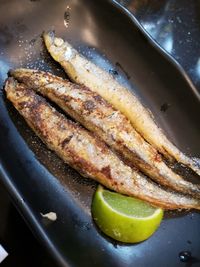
(67, 16)
(185, 256)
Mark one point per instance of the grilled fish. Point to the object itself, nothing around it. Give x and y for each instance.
(96, 114)
(86, 153)
(82, 71)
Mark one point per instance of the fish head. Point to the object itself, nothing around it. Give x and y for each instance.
(59, 49)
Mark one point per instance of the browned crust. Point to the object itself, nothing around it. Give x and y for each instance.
(95, 106)
(65, 140)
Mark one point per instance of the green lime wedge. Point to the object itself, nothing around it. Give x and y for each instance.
(123, 218)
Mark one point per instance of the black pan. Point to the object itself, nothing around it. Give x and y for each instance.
(175, 27)
(39, 182)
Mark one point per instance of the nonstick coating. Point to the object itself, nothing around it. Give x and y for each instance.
(39, 182)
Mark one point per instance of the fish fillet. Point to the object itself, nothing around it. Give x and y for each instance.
(82, 71)
(96, 114)
(86, 153)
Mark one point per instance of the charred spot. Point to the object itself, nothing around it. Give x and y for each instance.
(103, 147)
(37, 102)
(99, 99)
(102, 101)
(17, 94)
(36, 107)
(158, 157)
(81, 165)
(66, 141)
(107, 172)
(22, 89)
(26, 80)
(66, 98)
(83, 88)
(89, 105)
(22, 104)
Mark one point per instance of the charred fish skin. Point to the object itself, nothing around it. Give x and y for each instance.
(82, 71)
(87, 154)
(97, 115)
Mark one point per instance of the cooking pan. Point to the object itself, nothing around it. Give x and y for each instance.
(39, 182)
(175, 27)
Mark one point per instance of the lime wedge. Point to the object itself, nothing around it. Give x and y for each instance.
(123, 218)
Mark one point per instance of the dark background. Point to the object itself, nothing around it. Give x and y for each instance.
(16, 238)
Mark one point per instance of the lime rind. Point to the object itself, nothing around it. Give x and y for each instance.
(121, 227)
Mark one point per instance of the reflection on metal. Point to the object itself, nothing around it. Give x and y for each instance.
(150, 28)
(89, 37)
(162, 33)
(168, 44)
(198, 68)
(183, 38)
